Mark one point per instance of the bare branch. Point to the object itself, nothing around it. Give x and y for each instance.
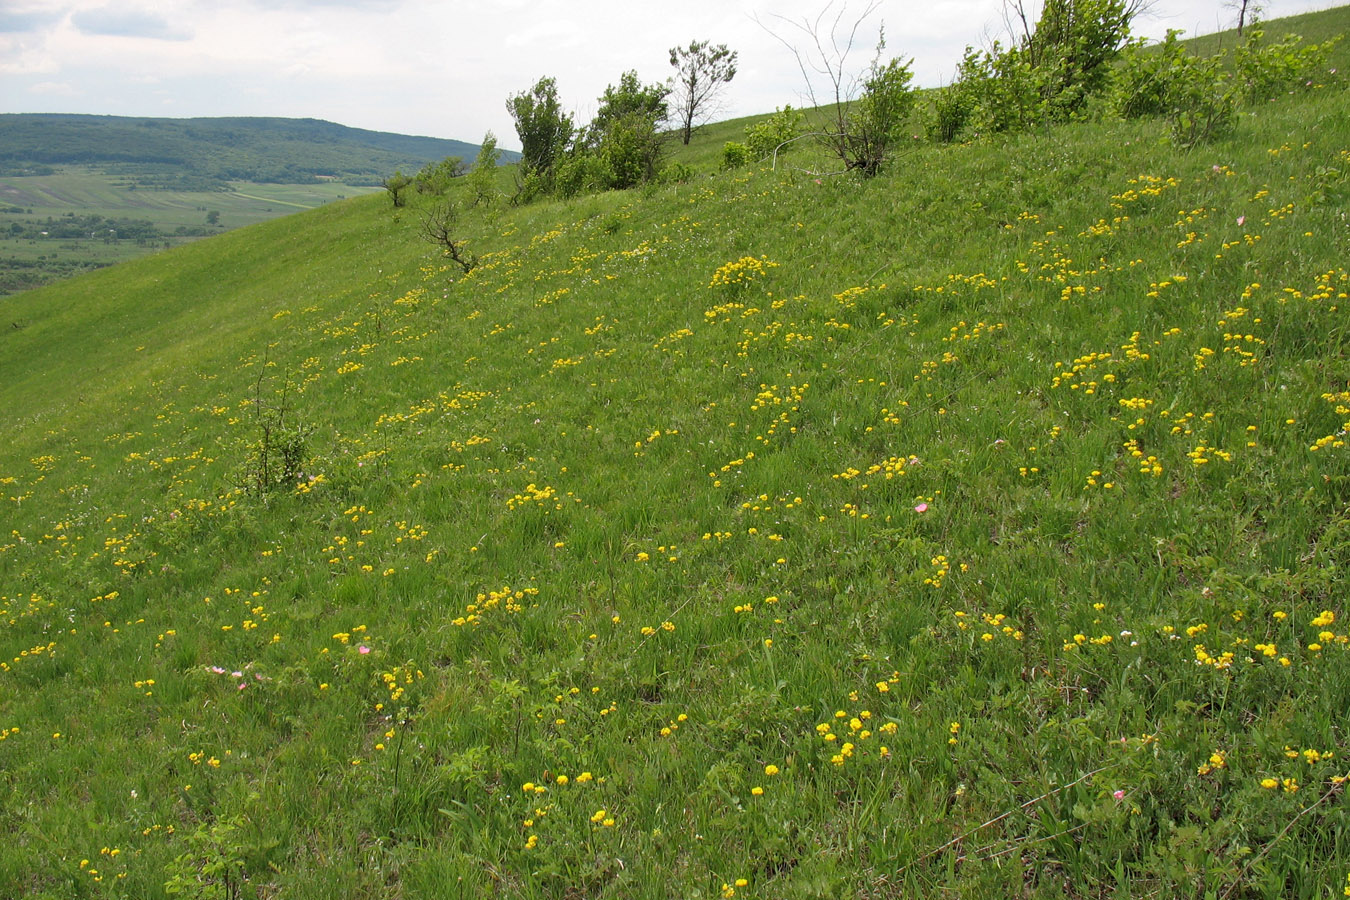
(438, 227)
(867, 108)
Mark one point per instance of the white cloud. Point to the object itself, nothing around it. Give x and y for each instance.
(120, 21)
(20, 19)
(55, 89)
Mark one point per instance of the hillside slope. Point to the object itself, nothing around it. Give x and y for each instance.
(287, 151)
(977, 529)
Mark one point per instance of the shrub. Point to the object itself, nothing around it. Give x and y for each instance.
(735, 155)
(1143, 83)
(676, 173)
(766, 137)
(440, 225)
(630, 149)
(1008, 92)
(1266, 70)
(874, 127)
(483, 177)
(544, 129)
(859, 129)
(396, 184)
(946, 113)
(1052, 73)
(529, 185)
(1202, 101)
(1200, 97)
(630, 98)
(582, 173)
(435, 178)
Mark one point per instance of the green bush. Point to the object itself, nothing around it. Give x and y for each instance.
(434, 178)
(766, 137)
(483, 177)
(530, 185)
(630, 149)
(1202, 101)
(735, 155)
(946, 113)
(876, 125)
(545, 131)
(1267, 70)
(1008, 92)
(1143, 82)
(582, 173)
(1054, 74)
(1200, 97)
(676, 173)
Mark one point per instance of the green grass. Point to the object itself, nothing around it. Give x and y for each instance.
(90, 191)
(1313, 27)
(84, 191)
(989, 461)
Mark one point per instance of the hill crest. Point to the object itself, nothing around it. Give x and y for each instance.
(259, 149)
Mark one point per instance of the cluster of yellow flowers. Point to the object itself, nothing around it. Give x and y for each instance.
(852, 728)
(741, 272)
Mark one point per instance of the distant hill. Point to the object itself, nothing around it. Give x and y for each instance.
(197, 153)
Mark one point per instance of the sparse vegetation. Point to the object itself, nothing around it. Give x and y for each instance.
(435, 178)
(482, 177)
(396, 186)
(441, 226)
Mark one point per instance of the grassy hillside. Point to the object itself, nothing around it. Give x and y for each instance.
(1313, 27)
(979, 529)
(78, 219)
(158, 182)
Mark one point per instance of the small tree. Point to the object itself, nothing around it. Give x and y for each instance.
(946, 113)
(1076, 41)
(483, 176)
(624, 136)
(435, 178)
(874, 126)
(439, 226)
(631, 150)
(1050, 68)
(735, 155)
(396, 184)
(544, 129)
(701, 72)
(630, 99)
(1248, 12)
(1146, 79)
(864, 113)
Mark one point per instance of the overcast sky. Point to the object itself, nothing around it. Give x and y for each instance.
(444, 68)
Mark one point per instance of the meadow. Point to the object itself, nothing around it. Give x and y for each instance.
(29, 204)
(979, 529)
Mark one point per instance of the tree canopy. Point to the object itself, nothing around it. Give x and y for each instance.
(542, 126)
(701, 72)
